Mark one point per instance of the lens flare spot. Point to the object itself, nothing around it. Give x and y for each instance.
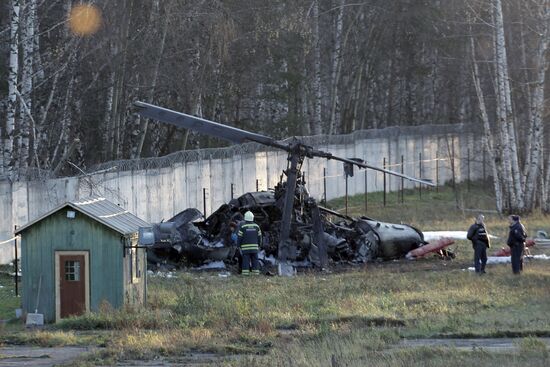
(84, 19)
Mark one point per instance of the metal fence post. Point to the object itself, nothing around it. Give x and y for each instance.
(384, 182)
(232, 190)
(204, 201)
(420, 174)
(402, 180)
(325, 185)
(366, 192)
(346, 175)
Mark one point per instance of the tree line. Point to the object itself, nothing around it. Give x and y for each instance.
(276, 67)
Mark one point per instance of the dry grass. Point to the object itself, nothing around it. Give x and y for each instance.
(359, 311)
(363, 348)
(353, 317)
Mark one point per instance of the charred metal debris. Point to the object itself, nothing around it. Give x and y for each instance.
(319, 237)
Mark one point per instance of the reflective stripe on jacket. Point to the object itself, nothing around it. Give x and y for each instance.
(478, 234)
(249, 236)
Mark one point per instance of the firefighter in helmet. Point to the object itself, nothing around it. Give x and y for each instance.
(249, 239)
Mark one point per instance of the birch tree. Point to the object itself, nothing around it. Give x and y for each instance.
(27, 81)
(336, 65)
(536, 161)
(487, 135)
(505, 113)
(13, 77)
(143, 125)
(316, 122)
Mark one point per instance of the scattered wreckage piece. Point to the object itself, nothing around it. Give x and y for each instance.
(429, 236)
(432, 247)
(505, 251)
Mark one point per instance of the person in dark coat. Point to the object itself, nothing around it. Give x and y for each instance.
(249, 239)
(516, 241)
(480, 242)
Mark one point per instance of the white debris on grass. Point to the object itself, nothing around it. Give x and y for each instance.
(437, 235)
(492, 260)
(224, 274)
(269, 259)
(498, 260)
(211, 265)
(508, 259)
(161, 274)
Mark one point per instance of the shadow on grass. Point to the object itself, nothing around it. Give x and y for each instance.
(361, 321)
(495, 334)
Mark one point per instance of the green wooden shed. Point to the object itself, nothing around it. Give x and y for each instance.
(81, 255)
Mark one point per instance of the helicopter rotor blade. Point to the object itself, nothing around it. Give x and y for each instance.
(239, 136)
(204, 126)
(370, 166)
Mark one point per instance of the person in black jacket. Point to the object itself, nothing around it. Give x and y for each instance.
(480, 242)
(516, 241)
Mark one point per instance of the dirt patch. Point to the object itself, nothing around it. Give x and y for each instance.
(369, 321)
(16, 356)
(191, 359)
(487, 344)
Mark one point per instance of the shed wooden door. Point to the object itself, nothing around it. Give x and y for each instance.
(72, 285)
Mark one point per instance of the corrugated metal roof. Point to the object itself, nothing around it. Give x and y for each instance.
(102, 210)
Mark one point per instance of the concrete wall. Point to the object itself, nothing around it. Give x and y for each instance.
(156, 189)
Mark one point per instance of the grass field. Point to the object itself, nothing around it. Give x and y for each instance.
(8, 301)
(353, 317)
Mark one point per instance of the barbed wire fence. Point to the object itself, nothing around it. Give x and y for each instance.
(156, 188)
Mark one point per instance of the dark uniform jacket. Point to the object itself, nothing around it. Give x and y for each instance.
(478, 235)
(249, 236)
(517, 235)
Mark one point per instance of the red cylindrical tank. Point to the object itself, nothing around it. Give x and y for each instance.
(430, 247)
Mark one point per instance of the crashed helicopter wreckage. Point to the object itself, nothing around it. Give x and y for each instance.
(186, 238)
(295, 227)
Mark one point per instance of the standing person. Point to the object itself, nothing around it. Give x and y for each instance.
(249, 239)
(480, 242)
(516, 241)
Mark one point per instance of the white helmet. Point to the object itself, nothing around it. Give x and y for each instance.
(248, 216)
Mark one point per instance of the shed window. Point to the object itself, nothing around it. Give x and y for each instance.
(72, 270)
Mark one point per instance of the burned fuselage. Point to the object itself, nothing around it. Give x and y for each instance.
(318, 236)
(295, 228)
